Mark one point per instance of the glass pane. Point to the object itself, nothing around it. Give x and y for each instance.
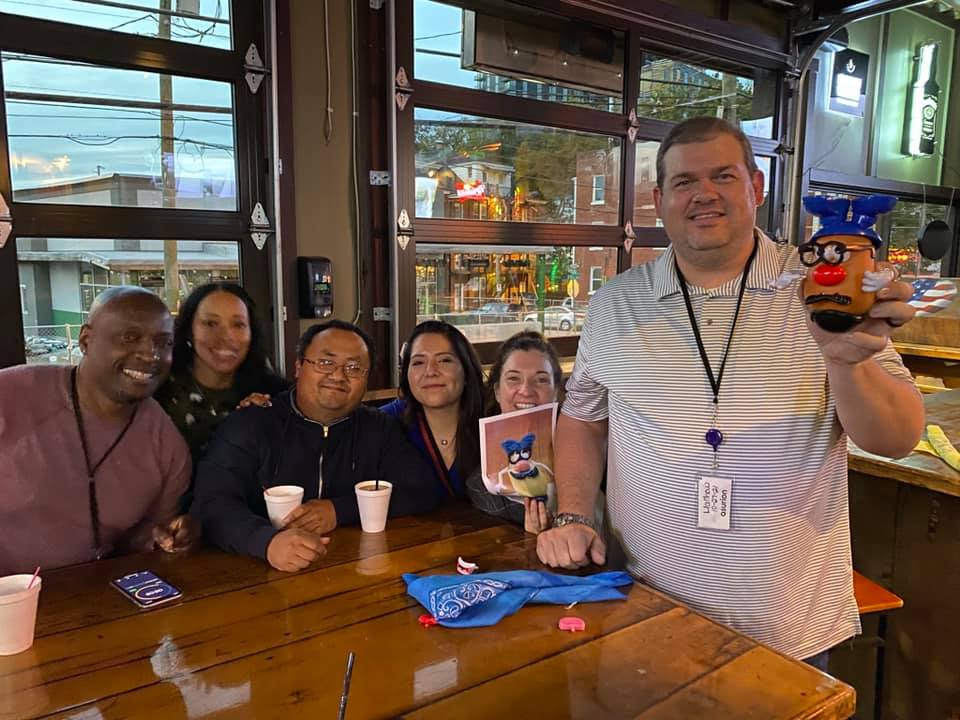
(83, 134)
(645, 180)
(197, 22)
(906, 220)
(676, 89)
(480, 168)
(60, 277)
(518, 51)
(491, 292)
(642, 255)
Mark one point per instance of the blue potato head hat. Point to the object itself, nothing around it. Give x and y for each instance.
(833, 215)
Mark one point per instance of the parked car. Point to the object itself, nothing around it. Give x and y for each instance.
(556, 317)
(496, 312)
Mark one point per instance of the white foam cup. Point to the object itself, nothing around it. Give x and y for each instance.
(373, 504)
(280, 501)
(18, 612)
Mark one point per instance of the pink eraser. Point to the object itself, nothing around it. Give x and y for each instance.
(572, 624)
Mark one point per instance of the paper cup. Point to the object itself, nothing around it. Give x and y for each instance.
(373, 504)
(280, 501)
(18, 613)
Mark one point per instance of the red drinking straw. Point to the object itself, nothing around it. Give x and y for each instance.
(34, 578)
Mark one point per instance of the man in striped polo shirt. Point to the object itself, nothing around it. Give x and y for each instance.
(725, 413)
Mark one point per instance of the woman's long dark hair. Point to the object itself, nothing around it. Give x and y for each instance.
(254, 373)
(525, 340)
(471, 401)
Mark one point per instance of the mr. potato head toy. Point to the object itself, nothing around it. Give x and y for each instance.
(842, 276)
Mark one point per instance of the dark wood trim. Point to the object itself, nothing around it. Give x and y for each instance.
(565, 347)
(405, 260)
(11, 318)
(489, 232)
(835, 181)
(668, 25)
(122, 50)
(47, 220)
(372, 154)
(283, 117)
(516, 109)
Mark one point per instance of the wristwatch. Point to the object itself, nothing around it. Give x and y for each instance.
(572, 518)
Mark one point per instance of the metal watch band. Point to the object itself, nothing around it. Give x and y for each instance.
(572, 518)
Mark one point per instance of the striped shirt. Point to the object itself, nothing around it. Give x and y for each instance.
(782, 573)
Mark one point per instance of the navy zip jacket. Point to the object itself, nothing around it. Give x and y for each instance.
(257, 448)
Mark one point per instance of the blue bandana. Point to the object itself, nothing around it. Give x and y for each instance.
(486, 598)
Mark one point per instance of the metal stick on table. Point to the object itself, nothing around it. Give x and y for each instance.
(346, 687)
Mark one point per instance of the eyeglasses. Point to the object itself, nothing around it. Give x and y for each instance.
(324, 366)
(832, 253)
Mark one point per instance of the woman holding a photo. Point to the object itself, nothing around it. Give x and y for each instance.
(441, 401)
(526, 374)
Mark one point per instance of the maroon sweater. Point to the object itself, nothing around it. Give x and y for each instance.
(44, 507)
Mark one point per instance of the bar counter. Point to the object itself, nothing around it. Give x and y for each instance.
(247, 641)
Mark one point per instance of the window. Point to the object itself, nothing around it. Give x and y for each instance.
(527, 166)
(491, 292)
(62, 277)
(115, 148)
(598, 184)
(84, 134)
(677, 88)
(197, 22)
(596, 279)
(516, 182)
(511, 50)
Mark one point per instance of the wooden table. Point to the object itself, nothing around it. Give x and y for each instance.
(250, 642)
(917, 468)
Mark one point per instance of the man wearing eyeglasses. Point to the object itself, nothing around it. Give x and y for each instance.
(317, 436)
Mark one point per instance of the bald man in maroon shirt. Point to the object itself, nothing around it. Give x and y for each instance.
(90, 465)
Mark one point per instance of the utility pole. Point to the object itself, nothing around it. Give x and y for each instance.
(171, 267)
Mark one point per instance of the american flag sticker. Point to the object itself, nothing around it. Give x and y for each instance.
(931, 295)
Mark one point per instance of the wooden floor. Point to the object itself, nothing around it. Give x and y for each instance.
(249, 642)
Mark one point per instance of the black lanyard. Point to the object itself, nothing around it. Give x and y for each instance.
(714, 381)
(92, 469)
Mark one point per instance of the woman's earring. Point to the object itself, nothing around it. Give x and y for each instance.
(189, 343)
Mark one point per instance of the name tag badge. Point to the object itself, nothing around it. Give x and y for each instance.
(714, 502)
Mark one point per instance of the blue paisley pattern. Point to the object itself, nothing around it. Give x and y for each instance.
(447, 603)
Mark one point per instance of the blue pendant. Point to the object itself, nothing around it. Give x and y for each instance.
(713, 437)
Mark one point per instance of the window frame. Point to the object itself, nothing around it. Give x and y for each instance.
(635, 18)
(136, 52)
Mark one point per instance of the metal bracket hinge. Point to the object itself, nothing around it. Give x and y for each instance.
(633, 125)
(402, 88)
(383, 314)
(260, 228)
(379, 177)
(376, 4)
(404, 229)
(6, 222)
(254, 68)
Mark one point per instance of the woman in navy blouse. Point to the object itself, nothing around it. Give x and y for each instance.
(441, 401)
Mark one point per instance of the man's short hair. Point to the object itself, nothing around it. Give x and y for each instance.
(702, 129)
(311, 332)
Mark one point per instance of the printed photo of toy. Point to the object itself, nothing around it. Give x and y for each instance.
(517, 452)
(522, 475)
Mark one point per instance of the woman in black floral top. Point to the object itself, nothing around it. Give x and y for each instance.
(218, 364)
